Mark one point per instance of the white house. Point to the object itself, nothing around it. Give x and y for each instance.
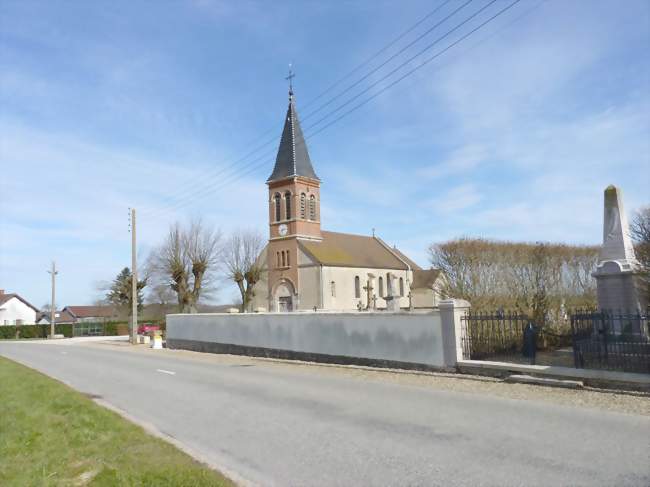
(15, 310)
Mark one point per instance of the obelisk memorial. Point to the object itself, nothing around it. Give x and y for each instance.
(617, 269)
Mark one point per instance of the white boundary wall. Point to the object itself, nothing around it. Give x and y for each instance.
(421, 338)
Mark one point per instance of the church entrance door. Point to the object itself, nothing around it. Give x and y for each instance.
(283, 296)
(285, 304)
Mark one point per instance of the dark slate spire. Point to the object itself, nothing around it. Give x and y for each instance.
(293, 158)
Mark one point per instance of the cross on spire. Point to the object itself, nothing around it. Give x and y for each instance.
(290, 80)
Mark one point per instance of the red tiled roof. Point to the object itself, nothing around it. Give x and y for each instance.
(90, 311)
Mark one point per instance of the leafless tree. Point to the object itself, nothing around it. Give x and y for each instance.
(540, 279)
(241, 259)
(640, 233)
(187, 262)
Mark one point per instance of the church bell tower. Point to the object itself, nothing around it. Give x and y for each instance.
(294, 212)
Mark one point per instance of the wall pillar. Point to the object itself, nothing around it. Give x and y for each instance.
(451, 312)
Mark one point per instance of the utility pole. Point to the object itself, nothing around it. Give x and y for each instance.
(134, 283)
(53, 303)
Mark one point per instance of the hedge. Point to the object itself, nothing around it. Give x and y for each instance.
(34, 331)
(110, 328)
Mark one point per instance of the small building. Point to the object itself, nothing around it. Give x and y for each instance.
(306, 268)
(60, 318)
(15, 310)
(90, 314)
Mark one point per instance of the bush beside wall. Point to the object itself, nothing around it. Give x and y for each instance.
(42, 331)
(33, 331)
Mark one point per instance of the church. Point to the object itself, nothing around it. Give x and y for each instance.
(304, 267)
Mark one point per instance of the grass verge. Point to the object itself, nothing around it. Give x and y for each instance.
(53, 435)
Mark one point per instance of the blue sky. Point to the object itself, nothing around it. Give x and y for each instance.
(512, 134)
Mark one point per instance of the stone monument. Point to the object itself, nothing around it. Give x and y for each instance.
(392, 300)
(617, 269)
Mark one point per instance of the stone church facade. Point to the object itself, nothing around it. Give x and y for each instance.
(307, 268)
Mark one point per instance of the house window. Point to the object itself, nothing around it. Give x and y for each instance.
(278, 213)
(357, 287)
(288, 261)
(283, 259)
(333, 288)
(303, 206)
(389, 285)
(312, 207)
(381, 287)
(401, 286)
(287, 204)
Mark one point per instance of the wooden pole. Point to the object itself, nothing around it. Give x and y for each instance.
(53, 272)
(134, 283)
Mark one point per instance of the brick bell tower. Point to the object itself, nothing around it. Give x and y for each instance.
(294, 212)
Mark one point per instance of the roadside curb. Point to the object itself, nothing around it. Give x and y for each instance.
(196, 455)
(603, 380)
(541, 381)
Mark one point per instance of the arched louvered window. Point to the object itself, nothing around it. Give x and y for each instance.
(381, 287)
(303, 206)
(287, 204)
(401, 286)
(279, 261)
(333, 288)
(288, 261)
(278, 212)
(284, 259)
(389, 285)
(312, 207)
(357, 287)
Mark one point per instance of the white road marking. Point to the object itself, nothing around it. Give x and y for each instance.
(166, 371)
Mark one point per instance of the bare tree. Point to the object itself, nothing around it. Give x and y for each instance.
(540, 279)
(187, 262)
(241, 259)
(640, 233)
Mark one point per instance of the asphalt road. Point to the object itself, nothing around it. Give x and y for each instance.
(283, 426)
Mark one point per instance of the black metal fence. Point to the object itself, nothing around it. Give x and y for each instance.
(609, 340)
(497, 336)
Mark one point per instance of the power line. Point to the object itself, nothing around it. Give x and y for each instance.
(393, 83)
(403, 49)
(394, 70)
(185, 198)
(374, 56)
(187, 185)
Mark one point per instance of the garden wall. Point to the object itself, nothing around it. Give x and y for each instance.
(382, 338)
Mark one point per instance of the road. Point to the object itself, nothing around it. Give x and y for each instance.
(298, 425)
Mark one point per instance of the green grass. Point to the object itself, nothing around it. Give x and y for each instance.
(51, 435)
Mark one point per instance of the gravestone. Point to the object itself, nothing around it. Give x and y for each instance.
(392, 300)
(617, 270)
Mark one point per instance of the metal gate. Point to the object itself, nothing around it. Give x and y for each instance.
(611, 341)
(497, 336)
